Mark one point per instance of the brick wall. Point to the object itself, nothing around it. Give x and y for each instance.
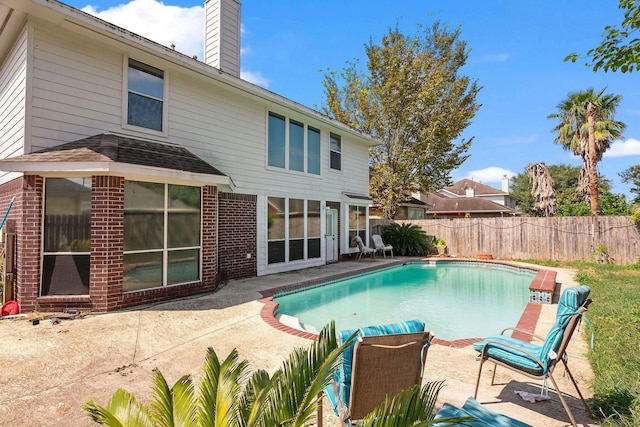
(107, 242)
(29, 232)
(237, 230)
(107, 248)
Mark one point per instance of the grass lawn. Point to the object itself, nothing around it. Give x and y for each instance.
(615, 358)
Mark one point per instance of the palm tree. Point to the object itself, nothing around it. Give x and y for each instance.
(586, 127)
(229, 397)
(542, 189)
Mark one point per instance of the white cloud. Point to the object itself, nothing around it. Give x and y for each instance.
(490, 174)
(167, 25)
(255, 77)
(164, 24)
(630, 147)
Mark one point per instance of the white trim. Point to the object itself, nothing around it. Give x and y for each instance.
(127, 170)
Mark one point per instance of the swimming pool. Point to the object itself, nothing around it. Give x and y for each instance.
(456, 300)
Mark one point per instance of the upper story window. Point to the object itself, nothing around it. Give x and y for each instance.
(145, 93)
(336, 152)
(293, 145)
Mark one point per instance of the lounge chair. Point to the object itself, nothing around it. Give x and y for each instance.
(379, 245)
(384, 361)
(483, 417)
(364, 250)
(539, 361)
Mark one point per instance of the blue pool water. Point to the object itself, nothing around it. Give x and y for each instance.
(456, 300)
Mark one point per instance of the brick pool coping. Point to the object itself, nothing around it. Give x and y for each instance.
(541, 291)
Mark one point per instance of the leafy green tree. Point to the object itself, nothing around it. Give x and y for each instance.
(413, 99)
(566, 179)
(620, 47)
(614, 204)
(631, 176)
(230, 397)
(586, 128)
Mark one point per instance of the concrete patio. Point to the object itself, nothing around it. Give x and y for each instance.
(48, 371)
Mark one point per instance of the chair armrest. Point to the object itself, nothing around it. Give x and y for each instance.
(522, 332)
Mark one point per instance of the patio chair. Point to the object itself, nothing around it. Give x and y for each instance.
(539, 361)
(379, 245)
(483, 417)
(384, 361)
(364, 250)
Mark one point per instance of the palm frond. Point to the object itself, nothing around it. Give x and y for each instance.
(220, 390)
(254, 398)
(122, 410)
(411, 407)
(173, 407)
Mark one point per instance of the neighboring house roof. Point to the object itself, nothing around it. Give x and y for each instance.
(445, 205)
(459, 189)
(109, 153)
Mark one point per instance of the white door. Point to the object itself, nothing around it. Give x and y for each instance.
(331, 236)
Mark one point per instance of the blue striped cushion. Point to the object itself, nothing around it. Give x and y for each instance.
(570, 301)
(512, 356)
(342, 377)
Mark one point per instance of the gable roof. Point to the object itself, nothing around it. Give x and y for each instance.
(109, 153)
(459, 188)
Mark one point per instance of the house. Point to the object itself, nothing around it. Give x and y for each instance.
(140, 174)
(468, 198)
(413, 208)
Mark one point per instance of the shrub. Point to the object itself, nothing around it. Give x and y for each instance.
(407, 239)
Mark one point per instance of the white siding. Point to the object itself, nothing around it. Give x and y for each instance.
(79, 91)
(13, 92)
(496, 199)
(77, 88)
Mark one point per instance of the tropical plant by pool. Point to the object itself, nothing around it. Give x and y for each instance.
(230, 396)
(407, 239)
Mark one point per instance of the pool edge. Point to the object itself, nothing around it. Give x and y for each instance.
(544, 281)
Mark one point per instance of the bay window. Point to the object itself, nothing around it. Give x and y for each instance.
(162, 235)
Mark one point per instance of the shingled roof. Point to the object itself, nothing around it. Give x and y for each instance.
(108, 147)
(459, 188)
(441, 204)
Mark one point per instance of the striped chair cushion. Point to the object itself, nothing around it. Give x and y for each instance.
(342, 377)
(511, 356)
(570, 301)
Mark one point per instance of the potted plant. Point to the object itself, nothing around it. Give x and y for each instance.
(440, 245)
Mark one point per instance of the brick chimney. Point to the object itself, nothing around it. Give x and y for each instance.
(222, 35)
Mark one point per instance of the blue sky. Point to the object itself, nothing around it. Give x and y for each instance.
(517, 51)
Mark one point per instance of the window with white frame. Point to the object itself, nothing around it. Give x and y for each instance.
(145, 88)
(292, 145)
(162, 235)
(335, 155)
(293, 229)
(357, 224)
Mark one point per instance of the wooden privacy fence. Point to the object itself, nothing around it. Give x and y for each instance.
(558, 238)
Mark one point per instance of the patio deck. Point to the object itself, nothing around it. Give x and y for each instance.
(49, 371)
